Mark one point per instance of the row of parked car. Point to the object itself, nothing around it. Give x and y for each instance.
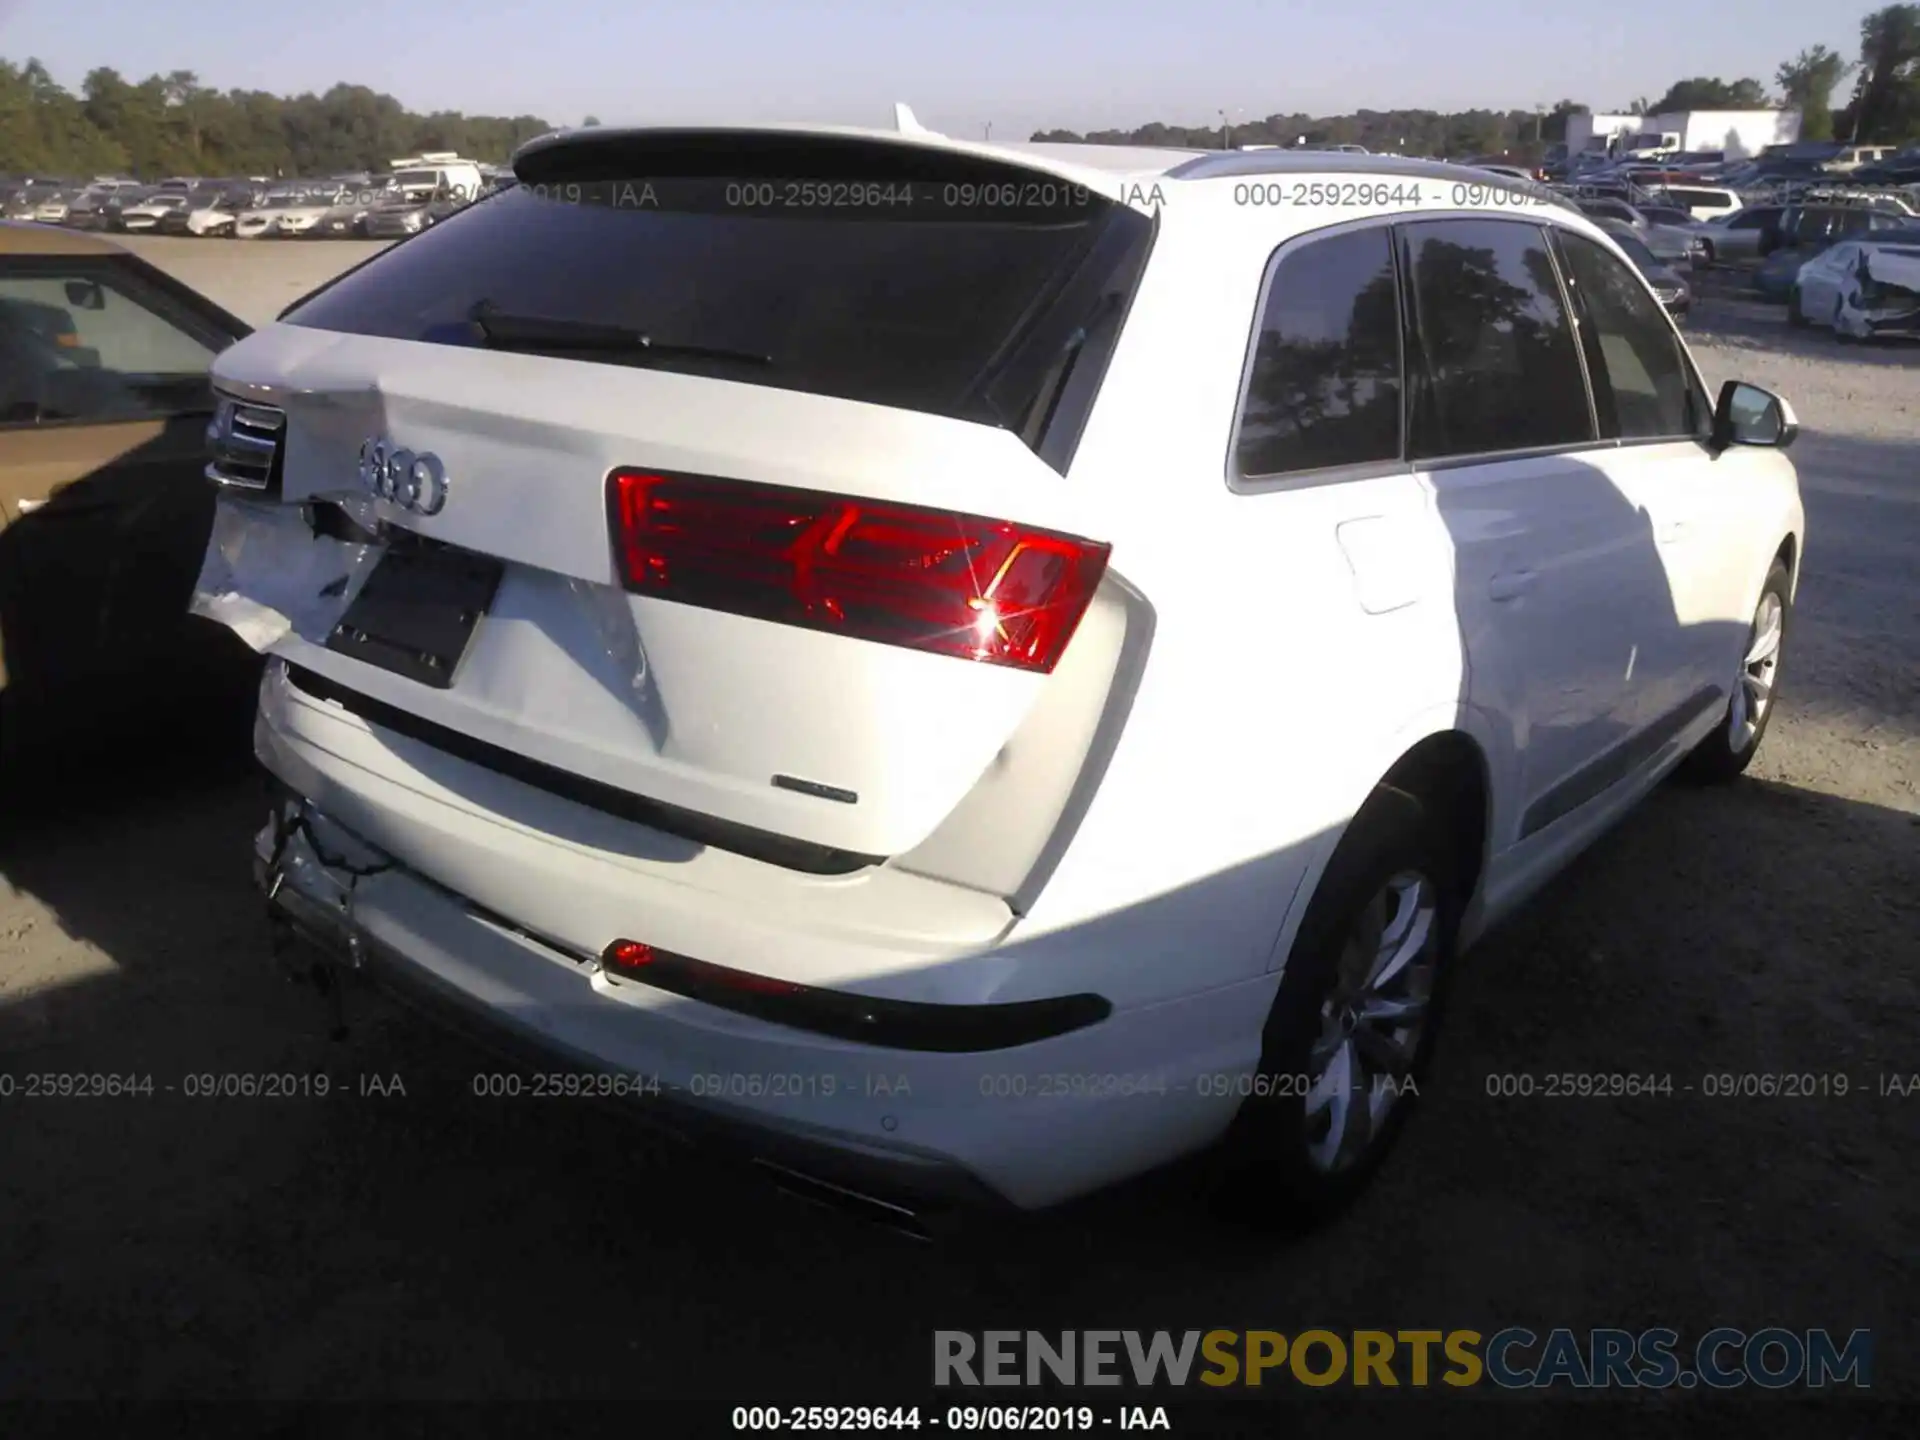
(1826, 233)
(387, 205)
(1828, 230)
(1803, 162)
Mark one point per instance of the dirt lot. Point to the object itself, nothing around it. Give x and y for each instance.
(255, 279)
(431, 1244)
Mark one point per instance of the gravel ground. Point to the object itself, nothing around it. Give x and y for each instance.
(433, 1245)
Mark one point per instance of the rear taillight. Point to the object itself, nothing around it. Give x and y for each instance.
(934, 580)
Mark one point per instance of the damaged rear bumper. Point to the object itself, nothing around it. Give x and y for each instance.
(315, 912)
(1880, 322)
(1884, 298)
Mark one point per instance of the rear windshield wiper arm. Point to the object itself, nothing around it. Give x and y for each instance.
(504, 331)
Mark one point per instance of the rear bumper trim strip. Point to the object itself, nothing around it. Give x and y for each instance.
(744, 840)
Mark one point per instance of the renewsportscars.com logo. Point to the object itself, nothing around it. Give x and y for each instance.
(1513, 1359)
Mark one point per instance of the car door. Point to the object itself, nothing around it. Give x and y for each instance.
(1742, 238)
(103, 411)
(1651, 404)
(1824, 278)
(1555, 572)
(1826, 281)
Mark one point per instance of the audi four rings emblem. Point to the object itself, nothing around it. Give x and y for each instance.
(413, 482)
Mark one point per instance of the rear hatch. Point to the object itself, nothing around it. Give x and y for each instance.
(768, 432)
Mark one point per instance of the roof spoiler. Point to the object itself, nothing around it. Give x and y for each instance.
(906, 123)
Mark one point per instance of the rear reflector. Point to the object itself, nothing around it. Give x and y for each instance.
(892, 1024)
(935, 580)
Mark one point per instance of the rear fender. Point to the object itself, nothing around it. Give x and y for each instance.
(1496, 751)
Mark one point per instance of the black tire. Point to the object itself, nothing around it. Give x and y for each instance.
(1269, 1175)
(1720, 758)
(1795, 315)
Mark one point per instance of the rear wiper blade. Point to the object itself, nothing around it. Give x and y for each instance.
(504, 331)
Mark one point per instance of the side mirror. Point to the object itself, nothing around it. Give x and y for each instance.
(1748, 415)
(86, 295)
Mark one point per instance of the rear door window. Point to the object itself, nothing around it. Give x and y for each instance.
(902, 288)
(1324, 386)
(1810, 226)
(1497, 364)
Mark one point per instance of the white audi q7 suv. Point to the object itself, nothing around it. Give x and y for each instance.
(966, 672)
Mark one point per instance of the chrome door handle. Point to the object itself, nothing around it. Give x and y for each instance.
(1512, 584)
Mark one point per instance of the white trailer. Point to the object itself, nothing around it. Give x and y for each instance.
(1737, 134)
(1588, 133)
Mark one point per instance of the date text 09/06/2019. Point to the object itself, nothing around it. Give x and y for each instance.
(955, 1419)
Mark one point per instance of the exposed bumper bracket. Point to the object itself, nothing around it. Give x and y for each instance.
(913, 1196)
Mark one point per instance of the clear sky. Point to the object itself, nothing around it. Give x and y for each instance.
(1020, 65)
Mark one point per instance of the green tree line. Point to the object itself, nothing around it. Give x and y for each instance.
(1409, 132)
(1883, 108)
(173, 125)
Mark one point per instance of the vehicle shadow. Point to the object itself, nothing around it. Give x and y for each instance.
(405, 1238)
(94, 626)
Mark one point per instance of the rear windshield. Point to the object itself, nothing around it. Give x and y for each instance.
(898, 291)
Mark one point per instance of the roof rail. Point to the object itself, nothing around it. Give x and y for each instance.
(1216, 164)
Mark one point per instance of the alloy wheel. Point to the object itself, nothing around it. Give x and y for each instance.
(1372, 1020)
(1754, 693)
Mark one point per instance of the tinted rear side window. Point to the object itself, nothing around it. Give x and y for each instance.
(897, 292)
(1324, 388)
(1496, 360)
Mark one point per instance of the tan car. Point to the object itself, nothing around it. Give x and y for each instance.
(104, 508)
(1855, 156)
